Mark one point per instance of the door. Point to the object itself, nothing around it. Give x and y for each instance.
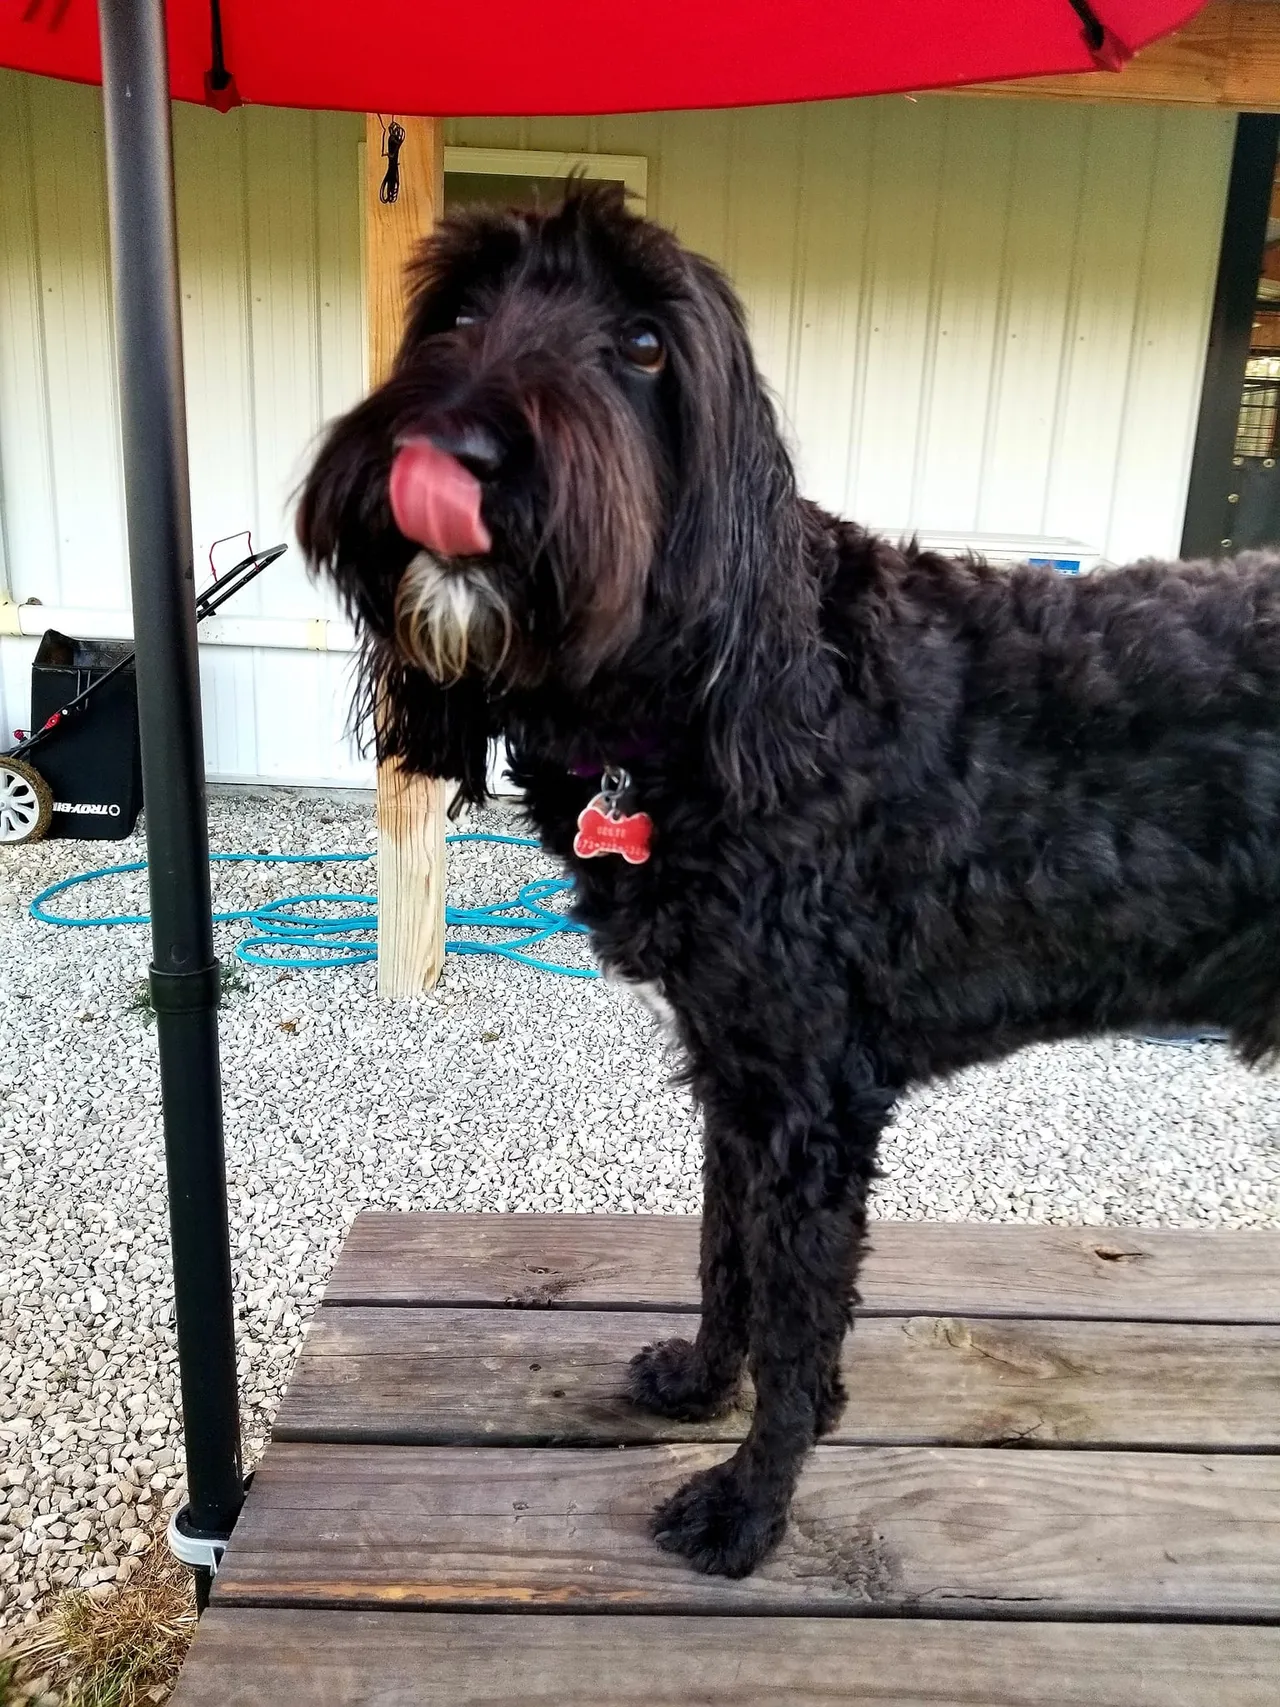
(1233, 503)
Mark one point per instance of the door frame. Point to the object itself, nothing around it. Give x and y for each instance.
(1244, 235)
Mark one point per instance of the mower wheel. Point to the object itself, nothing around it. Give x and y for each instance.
(26, 802)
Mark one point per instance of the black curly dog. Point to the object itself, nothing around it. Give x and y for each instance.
(908, 813)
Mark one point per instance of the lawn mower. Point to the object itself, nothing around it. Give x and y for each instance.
(86, 779)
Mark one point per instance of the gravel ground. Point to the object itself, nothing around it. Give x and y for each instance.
(497, 1101)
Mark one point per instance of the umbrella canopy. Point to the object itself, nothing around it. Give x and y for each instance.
(586, 56)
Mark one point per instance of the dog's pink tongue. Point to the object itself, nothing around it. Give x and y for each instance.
(436, 501)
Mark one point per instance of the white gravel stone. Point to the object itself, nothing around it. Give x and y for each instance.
(505, 1089)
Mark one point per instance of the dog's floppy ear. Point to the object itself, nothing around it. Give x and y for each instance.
(432, 730)
(737, 542)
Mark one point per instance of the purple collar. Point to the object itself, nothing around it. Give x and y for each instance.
(626, 753)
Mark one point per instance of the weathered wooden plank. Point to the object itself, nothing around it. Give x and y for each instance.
(505, 1377)
(642, 1262)
(248, 1658)
(875, 1529)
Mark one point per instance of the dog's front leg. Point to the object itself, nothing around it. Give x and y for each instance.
(698, 1379)
(803, 1223)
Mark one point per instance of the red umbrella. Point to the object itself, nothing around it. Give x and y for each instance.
(589, 56)
(392, 56)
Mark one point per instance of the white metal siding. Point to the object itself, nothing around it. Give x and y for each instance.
(269, 224)
(978, 316)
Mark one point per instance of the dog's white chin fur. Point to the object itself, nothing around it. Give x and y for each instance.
(449, 616)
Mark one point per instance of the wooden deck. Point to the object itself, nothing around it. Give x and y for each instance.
(1057, 1483)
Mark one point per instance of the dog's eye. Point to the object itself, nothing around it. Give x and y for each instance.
(465, 319)
(642, 347)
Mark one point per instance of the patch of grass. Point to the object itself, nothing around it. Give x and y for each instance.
(233, 979)
(122, 1651)
(8, 1681)
(140, 1000)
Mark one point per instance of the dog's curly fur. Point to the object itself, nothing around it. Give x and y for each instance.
(910, 813)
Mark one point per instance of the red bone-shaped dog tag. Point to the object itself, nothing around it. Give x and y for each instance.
(602, 829)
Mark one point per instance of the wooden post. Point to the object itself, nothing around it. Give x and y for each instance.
(411, 809)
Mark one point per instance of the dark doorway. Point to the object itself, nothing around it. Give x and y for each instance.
(1233, 503)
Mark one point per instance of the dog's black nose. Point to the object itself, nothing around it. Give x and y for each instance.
(474, 446)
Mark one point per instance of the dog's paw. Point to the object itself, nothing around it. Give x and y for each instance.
(717, 1527)
(671, 1379)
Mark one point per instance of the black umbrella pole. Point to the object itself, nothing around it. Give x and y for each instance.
(184, 975)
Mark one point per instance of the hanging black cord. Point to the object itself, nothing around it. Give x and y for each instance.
(1094, 33)
(219, 76)
(392, 139)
